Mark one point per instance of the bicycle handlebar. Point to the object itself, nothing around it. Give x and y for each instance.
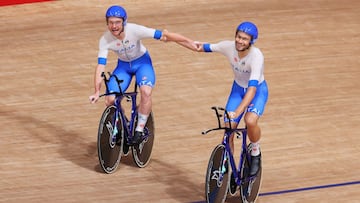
(106, 80)
(220, 127)
(214, 129)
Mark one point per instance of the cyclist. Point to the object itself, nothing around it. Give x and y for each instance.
(249, 91)
(133, 59)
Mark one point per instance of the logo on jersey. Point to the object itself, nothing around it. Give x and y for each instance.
(124, 43)
(239, 69)
(126, 49)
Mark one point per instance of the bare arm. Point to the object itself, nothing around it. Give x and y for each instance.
(180, 39)
(97, 83)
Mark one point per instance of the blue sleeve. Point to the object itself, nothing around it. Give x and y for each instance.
(157, 34)
(206, 48)
(253, 83)
(102, 61)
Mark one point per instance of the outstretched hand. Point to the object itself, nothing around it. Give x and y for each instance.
(180, 39)
(164, 35)
(198, 45)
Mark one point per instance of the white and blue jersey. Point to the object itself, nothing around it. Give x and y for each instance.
(248, 71)
(133, 57)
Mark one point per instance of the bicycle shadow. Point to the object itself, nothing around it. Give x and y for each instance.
(67, 141)
(179, 185)
(125, 160)
(229, 199)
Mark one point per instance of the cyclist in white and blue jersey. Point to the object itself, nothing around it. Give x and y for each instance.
(124, 39)
(249, 91)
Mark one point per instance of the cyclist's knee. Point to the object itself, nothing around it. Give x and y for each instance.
(251, 119)
(109, 101)
(145, 91)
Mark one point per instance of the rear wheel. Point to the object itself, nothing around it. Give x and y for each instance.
(110, 140)
(142, 152)
(217, 176)
(249, 190)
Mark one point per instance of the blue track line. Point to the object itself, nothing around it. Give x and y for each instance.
(309, 188)
(302, 189)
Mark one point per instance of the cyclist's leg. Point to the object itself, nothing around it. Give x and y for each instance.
(234, 100)
(254, 111)
(121, 71)
(145, 79)
(145, 99)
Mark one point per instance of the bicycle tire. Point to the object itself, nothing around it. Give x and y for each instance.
(142, 152)
(216, 189)
(254, 186)
(109, 150)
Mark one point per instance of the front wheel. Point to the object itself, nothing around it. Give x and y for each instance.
(249, 190)
(110, 140)
(142, 152)
(217, 176)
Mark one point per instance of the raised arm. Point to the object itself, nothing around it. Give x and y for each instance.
(180, 39)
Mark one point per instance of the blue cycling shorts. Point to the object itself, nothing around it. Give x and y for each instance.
(257, 105)
(142, 68)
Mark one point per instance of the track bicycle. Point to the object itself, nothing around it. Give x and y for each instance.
(217, 182)
(116, 131)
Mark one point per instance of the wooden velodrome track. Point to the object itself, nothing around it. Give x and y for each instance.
(311, 139)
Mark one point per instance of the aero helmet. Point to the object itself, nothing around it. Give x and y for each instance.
(250, 29)
(117, 11)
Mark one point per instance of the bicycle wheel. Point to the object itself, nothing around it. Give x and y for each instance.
(109, 146)
(217, 176)
(142, 152)
(249, 190)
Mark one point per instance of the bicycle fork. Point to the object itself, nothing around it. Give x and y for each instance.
(218, 175)
(114, 129)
